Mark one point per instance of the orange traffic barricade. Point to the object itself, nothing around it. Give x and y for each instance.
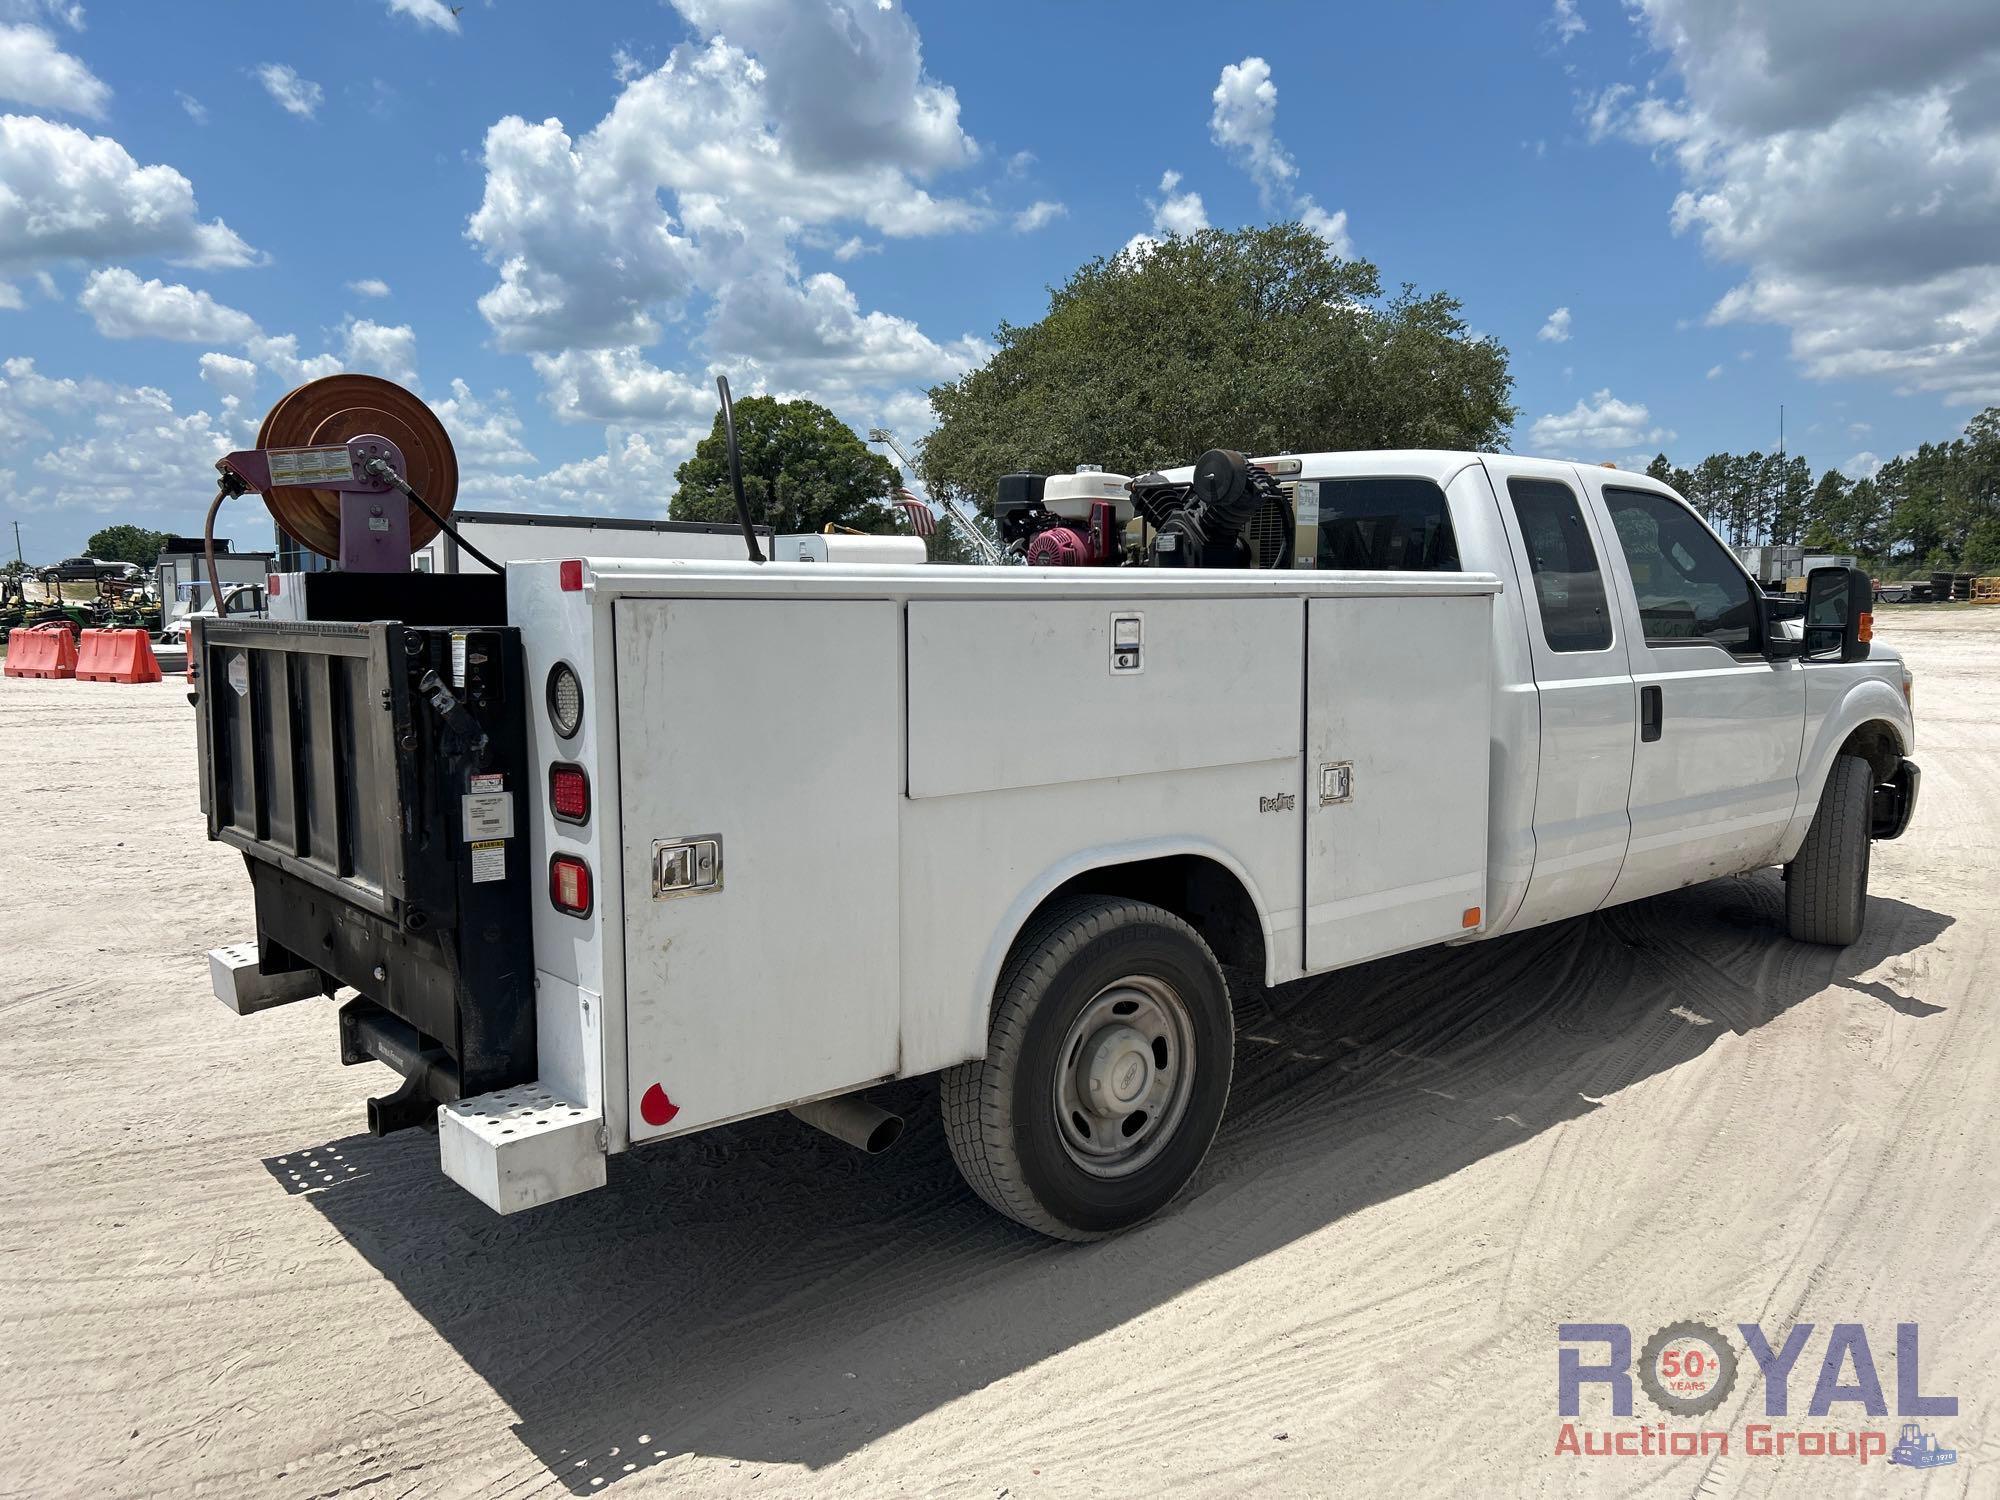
(116, 656)
(41, 651)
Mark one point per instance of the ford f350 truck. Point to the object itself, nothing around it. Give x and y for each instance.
(655, 845)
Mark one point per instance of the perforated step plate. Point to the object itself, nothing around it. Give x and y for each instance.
(520, 1147)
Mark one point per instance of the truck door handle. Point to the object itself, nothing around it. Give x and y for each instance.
(1651, 711)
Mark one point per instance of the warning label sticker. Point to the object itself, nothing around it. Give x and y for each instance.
(488, 815)
(310, 465)
(489, 781)
(489, 861)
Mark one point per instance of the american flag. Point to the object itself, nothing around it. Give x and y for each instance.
(923, 520)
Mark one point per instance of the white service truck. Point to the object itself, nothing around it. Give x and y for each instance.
(684, 842)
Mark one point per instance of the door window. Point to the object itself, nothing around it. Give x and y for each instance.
(1402, 524)
(1569, 585)
(1690, 589)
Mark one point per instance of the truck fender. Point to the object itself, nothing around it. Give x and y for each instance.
(1108, 856)
(1870, 700)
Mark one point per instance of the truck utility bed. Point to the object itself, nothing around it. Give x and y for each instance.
(819, 803)
(892, 764)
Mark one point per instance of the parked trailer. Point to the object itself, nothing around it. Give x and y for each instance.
(651, 846)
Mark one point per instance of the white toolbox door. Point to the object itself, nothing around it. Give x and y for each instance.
(1398, 711)
(772, 728)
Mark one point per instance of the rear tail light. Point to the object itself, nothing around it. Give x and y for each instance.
(569, 885)
(569, 575)
(565, 695)
(569, 793)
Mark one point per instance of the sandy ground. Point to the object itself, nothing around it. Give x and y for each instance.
(212, 1282)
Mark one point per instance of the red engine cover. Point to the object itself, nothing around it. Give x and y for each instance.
(1070, 545)
(1059, 547)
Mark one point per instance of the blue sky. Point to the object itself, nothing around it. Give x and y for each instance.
(560, 221)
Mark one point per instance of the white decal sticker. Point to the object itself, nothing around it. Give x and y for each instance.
(489, 861)
(488, 815)
(310, 465)
(458, 667)
(239, 674)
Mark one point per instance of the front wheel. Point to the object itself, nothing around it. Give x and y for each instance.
(1826, 885)
(1106, 1073)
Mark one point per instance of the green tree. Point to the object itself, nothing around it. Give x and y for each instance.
(1660, 469)
(1259, 340)
(133, 544)
(803, 469)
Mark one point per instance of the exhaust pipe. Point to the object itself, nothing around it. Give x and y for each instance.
(853, 1119)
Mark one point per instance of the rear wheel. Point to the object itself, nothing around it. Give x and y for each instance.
(1106, 1071)
(1826, 885)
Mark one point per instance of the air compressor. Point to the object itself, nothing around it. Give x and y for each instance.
(1232, 512)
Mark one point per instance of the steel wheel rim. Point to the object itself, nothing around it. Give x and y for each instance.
(1124, 1075)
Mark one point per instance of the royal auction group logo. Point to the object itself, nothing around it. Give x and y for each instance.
(1689, 1369)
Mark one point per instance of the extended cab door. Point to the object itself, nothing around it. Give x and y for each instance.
(1715, 773)
(1583, 687)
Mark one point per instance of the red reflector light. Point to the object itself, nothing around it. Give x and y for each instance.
(569, 574)
(271, 585)
(569, 793)
(569, 885)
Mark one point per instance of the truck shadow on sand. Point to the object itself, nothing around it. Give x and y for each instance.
(761, 1293)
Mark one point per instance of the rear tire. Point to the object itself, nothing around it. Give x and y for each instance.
(1106, 1073)
(1826, 885)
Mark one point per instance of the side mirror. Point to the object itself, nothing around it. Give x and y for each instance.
(1840, 618)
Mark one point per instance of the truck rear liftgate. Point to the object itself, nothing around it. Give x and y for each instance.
(371, 774)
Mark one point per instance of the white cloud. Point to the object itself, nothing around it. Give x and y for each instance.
(1601, 423)
(1019, 162)
(1846, 156)
(1176, 212)
(1331, 227)
(620, 385)
(379, 349)
(279, 353)
(1565, 22)
(196, 110)
(427, 13)
(1864, 465)
(369, 286)
(293, 94)
(36, 72)
(486, 435)
(780, 127)
(844, 82)
(1244, 123)
(10, 297)
(633, 476)
(1715, 372)
(125, 450)
(124, 307)
(1556, 329)
(228, 375)
(1038, 215)
(625, 66)
(69, 195)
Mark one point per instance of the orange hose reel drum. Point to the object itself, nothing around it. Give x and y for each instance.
(333, 409)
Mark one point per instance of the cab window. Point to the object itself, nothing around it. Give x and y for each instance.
(1569, 585)
(1690, 589)
(1376, 524)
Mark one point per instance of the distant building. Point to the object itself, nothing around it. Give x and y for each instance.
(182, 574)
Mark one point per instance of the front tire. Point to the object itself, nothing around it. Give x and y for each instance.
(1826, 885)
(1106, 1073)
